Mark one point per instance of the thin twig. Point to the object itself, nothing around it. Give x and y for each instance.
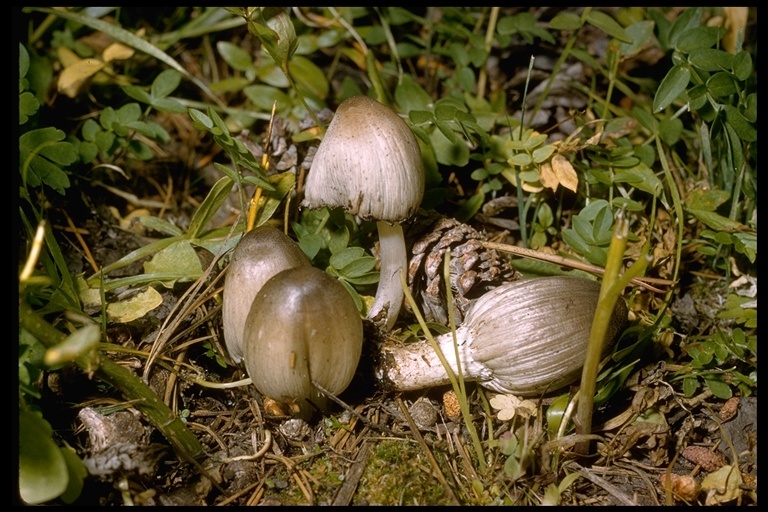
(605, 484)
(427, 452)
(559, 260)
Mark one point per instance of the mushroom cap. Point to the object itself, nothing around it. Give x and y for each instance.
(368, 162)
(260, 254)
(533, 333)
(303, 328)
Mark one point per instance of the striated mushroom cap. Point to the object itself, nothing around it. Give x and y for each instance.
(368, 162)
(532, 334)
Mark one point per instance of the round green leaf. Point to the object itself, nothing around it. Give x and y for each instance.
(43, 473)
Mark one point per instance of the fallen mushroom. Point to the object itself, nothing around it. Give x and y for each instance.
(525, 338)
(369, 163)
(303, 336)
(260, 254)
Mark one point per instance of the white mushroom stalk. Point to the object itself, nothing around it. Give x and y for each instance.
(369, 162)
(525, 338)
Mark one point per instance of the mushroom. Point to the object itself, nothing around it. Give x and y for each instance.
(260, 254)
(369, 163)
(526, 338)
(303, 336)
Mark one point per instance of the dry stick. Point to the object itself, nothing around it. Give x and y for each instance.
(349, 409)
(605, 484)
(559, 260)
(428, 452)
(352, 476)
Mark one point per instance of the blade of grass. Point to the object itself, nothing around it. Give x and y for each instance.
(464, 405)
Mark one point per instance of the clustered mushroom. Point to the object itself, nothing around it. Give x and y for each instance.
(303, 336)
(369, 163)
(260, 254)
(525, 337)
(300, 333)
(297, 329)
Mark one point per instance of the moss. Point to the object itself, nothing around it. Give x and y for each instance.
(398, 473)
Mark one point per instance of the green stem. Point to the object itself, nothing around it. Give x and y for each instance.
(610, 292)
(184, 443)
(463, 403)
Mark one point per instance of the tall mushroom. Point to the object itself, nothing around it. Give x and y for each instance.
(369, 163)
(260, 254)
(303, 336)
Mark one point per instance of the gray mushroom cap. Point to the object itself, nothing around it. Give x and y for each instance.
(368, 162)
(303, 329)
(260, 254)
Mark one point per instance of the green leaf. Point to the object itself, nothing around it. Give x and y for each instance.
(235, 56)
(160, 225)
(742, 65)
(282, 183)
(721, 85)
(165, 83)
(743, 128)
(177, 262)
(287, 42)
(211, 204)
(565, 21)
(608, 25)
(706, 200)
(670, 130)
(77, 474)
(200, 120)
(688, 19)
(710, 60)
(641, 33)
(310, 79)
(671, 87)
(264, 96)
(719, 388)
(520, 159)
(43, 153)
(43, 473)
(698, 38)
(410, 96)
(717, 221)
(543, 153)
(357, 268)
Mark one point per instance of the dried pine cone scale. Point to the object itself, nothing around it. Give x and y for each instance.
(474, 269)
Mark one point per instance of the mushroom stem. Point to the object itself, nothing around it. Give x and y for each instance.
(389, 294)
(417, 365)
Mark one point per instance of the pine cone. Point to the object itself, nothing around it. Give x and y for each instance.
(474, 269)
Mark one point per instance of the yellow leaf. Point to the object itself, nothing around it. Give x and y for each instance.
(547, 176)
(135, 307)
(528, 186)
(67, 57)
(722, 485)
(565, 173)
(77, 76)
(117, 51)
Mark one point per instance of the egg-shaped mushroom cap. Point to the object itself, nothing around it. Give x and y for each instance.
(260, 254)
(303, 328)
(368, 162)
